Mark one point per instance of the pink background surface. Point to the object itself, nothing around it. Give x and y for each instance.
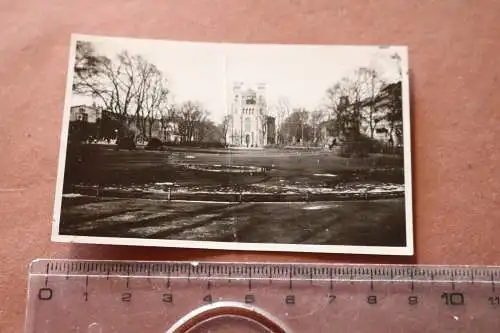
(455, 75)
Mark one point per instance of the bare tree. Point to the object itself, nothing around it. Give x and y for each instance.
(283, 111)
(224, 127)
(315, 120)
(202, 126)
(212, 133)
(92, 77)
(120, 88)
(185, 122)
(168, 115)
(303, 118)
(128, 86)
(337, 107)
(262, 115)
(355, 94)
(371, 85)
(88, 65)
(144, 80)
(345, 102)
(296, 126)
(155, 102)
(190, 119)
(115, 86)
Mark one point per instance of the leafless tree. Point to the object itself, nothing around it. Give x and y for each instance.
(92, 77)
(155, 102)
(144, 90)
(283, 111)
(88, 66)
(119, 89)
(303, 118)
(371, 85)
(337, 106)
(115, 86)
(347, 98)
(168, 115)
(262, 115)
(355, 93)
(315, 121)
(129, 86)
(190, 120)
(296, 126)
(224, 127)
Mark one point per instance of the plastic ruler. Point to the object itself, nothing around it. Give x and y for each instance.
(107, 296)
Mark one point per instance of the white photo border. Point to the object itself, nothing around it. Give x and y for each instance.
(407, 250)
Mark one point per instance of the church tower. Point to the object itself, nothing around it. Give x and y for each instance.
(234, 132)
(248, 116)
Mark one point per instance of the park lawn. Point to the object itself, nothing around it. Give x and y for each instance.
(363, 223)
(105, 166)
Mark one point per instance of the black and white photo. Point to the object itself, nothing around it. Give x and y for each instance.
(267, 147)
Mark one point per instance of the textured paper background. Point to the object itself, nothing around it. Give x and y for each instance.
(454, 52)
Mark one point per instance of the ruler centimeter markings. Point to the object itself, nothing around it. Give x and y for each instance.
(104, 296)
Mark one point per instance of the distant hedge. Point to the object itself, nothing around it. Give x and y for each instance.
(364, 145)
(196, 144)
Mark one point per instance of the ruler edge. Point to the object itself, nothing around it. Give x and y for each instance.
(31, 294)
(262, 263)
(494, 269)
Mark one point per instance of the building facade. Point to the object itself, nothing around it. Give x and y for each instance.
(102, 124)
(84, 113)
(379, 118)
(387, 105)
(248, 121)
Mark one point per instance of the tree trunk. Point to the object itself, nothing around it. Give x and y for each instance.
(302, 134)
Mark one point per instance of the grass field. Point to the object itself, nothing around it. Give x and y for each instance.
(105, 166)
(372, 223)
(131, 200)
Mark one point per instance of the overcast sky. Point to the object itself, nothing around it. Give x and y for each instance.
(205, 72)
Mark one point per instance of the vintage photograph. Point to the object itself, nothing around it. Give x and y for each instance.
(302, 148)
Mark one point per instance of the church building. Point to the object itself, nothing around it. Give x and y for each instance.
(248, 123)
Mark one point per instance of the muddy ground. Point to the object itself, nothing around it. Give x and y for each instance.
(202, 167)
(371, 223)
(311, 197)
